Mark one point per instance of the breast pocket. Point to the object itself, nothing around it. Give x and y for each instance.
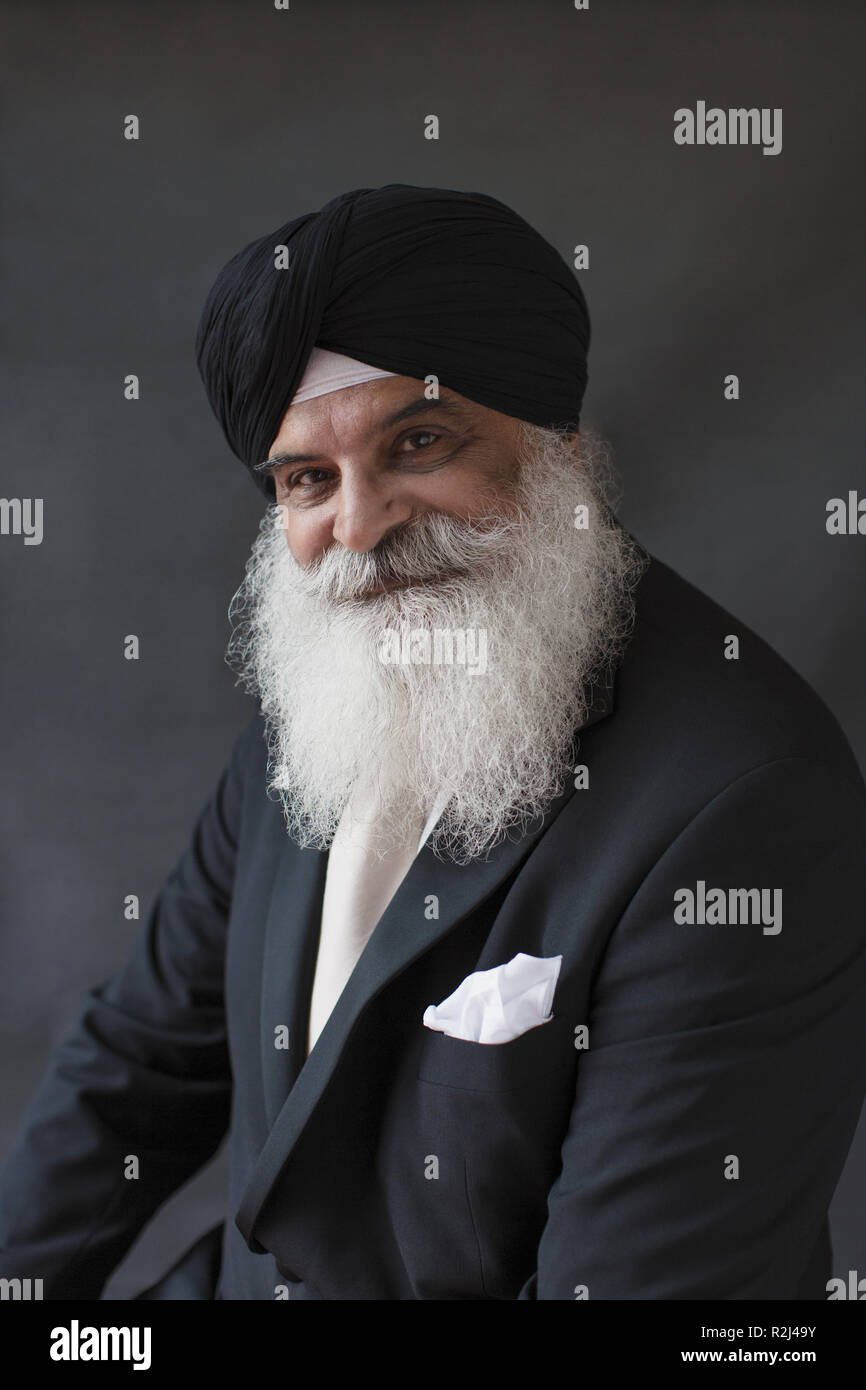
(510, 1066)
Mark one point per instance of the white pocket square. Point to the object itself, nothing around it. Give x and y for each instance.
(494, 1006)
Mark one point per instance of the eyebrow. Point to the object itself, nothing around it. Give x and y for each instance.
(442, 404)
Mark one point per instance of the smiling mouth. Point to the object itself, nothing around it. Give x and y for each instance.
(388, 585)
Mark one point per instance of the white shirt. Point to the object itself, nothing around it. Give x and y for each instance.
(359, 885)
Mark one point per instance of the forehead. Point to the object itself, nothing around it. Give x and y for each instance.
(359, 413)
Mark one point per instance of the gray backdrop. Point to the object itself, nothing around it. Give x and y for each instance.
(704, 261)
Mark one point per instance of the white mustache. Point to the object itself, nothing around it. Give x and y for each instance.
(434, 548)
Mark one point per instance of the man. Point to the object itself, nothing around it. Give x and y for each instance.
(519, 948)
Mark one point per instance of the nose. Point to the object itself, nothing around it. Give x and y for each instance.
(367, 509)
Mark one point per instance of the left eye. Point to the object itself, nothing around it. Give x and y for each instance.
(422, 434)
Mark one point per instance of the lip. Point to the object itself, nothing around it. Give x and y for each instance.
(387, 585)
(391, 584)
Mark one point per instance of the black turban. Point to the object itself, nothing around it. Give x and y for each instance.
(416, 281)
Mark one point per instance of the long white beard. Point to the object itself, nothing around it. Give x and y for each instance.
(550, 599)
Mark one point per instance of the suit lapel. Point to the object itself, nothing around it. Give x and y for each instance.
(294, 1086)
(288, 965)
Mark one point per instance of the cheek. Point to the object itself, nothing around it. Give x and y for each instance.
(458, 492)
(305, 537)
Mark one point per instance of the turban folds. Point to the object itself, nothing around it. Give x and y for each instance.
(416, 281)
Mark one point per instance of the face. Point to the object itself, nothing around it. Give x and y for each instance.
(544, 600)
(355, 464)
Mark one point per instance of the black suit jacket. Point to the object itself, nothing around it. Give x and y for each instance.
(606, 1171)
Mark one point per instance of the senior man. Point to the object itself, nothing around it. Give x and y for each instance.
(519, 949)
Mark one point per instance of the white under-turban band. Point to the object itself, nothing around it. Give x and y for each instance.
(331, 371)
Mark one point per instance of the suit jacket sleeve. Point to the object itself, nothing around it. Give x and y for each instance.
(144, 1071)
(723, 1080)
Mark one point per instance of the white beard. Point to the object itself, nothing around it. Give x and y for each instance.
(554, 602)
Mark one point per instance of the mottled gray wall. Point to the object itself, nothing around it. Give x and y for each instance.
(704, 261)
